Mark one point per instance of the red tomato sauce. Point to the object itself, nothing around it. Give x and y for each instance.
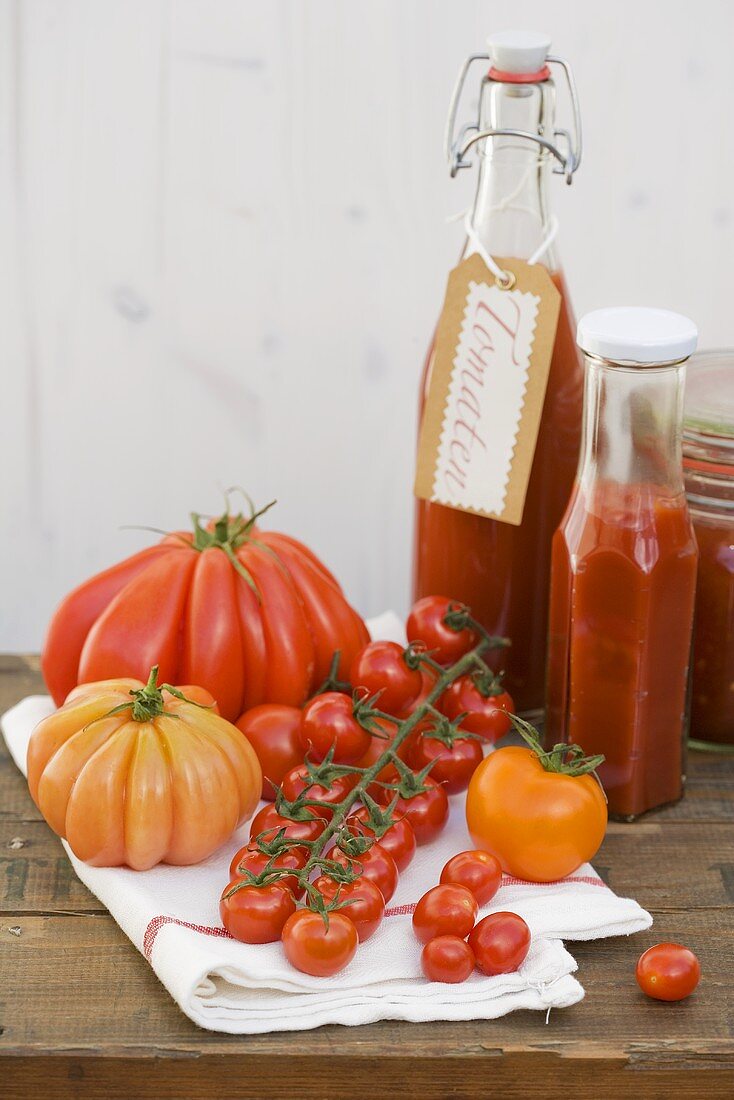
(502, 571)
(622, 594)
(712, 695)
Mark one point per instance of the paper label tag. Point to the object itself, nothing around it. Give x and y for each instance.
(486, 389)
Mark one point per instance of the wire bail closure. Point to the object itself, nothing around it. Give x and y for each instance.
(567, 156)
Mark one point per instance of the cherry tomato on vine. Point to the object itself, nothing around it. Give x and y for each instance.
(381, 666)
(487, 715)
(377, 865)
(269, 822)
(453, 766)
(478, 871)
(366, 906)
(447, 959)
(445, 911)
(377, 789)
(272, 730)
(379, 742)
(426, 624)
(328, 722)
(316, 949)
(297, 781)
(500, 943)
(256, 914)
(252, 860)
(429, 676)
(399, 840)
(427, 812)
(668, 972)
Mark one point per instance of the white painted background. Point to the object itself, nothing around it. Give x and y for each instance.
(223, 248)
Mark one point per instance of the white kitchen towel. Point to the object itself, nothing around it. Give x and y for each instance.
(171, 914)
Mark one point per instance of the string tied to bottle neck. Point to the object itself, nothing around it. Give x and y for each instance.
(506, 279)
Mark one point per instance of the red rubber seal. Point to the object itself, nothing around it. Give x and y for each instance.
(520, 78)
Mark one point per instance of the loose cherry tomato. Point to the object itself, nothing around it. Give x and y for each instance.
(487, 715)
(399, 840)
(668, 972)
(500, 943)
(426, 624)
(427, 812)
(366, 906)
(445, 911)
(297, 781)
(453, 766)
(377, 865)
(479, 871)
(256, 914)
(316, 949)
(328, 722)
(381, 666)
(269, 822)
(272, 730)
(252, 860)
(447, 959)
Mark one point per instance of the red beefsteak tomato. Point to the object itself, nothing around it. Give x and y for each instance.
(252, 616)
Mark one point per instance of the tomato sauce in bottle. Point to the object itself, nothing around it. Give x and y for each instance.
(500, 570)
(624, 564)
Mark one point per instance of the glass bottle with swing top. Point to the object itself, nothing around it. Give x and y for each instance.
(500, 569)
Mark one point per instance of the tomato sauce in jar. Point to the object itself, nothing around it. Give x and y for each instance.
(502, 571)
(624, 562)
(624, 575)
(708, 466)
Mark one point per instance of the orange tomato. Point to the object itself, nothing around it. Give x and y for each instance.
(541, 825)
(161, 781)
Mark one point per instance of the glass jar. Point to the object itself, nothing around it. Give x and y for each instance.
(623, 571)
(708, 466)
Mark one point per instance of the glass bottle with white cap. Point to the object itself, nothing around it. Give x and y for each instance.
(502, 570)
(624, 563)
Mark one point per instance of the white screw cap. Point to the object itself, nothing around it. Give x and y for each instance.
(518, 51)
(634, 334)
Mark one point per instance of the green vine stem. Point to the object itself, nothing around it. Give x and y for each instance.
(408, 784)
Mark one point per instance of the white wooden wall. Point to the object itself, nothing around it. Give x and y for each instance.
(223, 248)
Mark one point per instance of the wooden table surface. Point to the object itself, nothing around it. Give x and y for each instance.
(82, 1014)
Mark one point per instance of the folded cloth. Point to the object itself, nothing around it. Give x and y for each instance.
(171, 914)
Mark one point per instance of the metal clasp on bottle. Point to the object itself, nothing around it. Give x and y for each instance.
(567, 151)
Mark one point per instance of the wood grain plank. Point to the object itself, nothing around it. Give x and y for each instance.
(254, 1077)
(35, 873)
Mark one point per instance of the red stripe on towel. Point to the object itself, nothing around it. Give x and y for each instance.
(157, 923)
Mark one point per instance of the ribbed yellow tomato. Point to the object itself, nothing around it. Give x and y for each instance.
(134, 774)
